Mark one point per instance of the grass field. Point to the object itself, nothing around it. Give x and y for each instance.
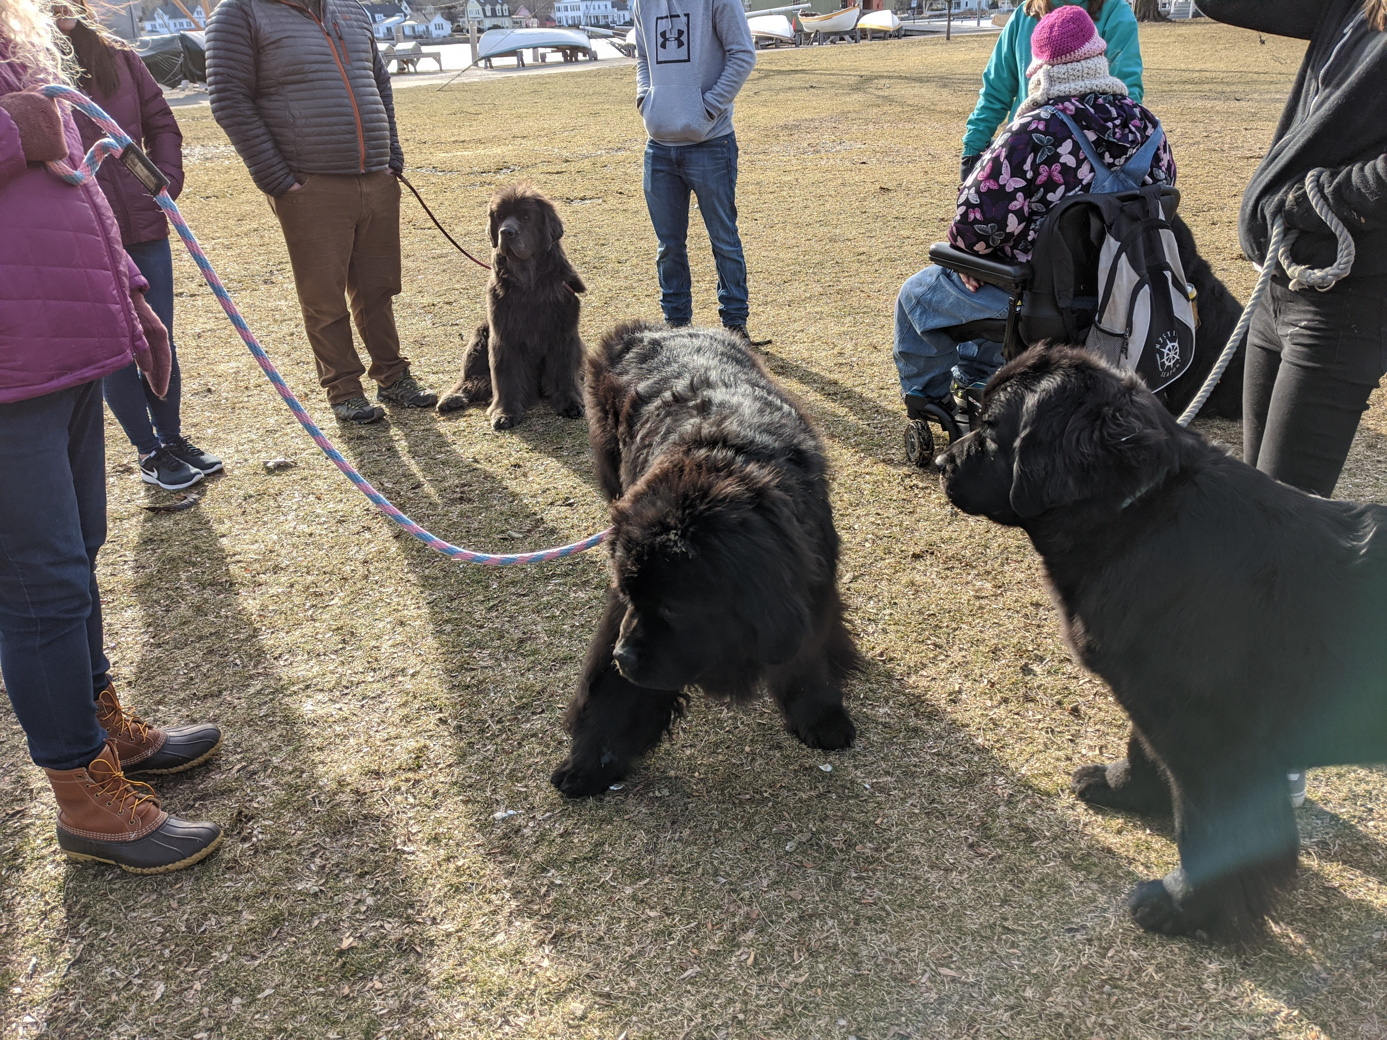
(396, 863)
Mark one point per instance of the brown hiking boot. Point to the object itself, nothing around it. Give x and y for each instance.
(144, 749)
(105, 818)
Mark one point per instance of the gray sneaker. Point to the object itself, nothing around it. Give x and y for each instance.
(1297, 785)
(358, 410)
(407, 393)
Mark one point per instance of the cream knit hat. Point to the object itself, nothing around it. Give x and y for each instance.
(1070, 60)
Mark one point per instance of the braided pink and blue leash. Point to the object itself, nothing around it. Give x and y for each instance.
(115, 143)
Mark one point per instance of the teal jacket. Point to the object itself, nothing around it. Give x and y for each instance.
(1004, 79)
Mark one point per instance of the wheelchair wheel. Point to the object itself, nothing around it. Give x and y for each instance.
(919, 443)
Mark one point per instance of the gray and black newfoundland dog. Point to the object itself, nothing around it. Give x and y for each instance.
(724, 555)
(529, 346)
(1241, 624)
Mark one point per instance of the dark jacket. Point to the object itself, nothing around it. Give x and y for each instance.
(1333, 120)
(300, 88)
(139, 107)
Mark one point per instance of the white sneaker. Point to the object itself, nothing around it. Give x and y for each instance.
(1297, 783)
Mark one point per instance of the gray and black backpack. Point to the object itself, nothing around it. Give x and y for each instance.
(1107, 271)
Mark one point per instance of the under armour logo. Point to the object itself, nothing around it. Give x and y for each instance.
(672, 36)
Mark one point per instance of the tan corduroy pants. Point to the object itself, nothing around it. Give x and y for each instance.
(343, 234)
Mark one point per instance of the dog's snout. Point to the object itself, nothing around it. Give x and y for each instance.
(624, 657)
(508, 230)
(941, 461)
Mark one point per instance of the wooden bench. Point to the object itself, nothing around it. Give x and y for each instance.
(407, 58)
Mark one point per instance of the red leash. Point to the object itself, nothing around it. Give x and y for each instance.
(405, 181)
(415, 193)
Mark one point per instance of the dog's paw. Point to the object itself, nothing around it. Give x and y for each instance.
(831, 731)
(503, 422)
(573, 410)
(575, 780)
(1101, 785)
(1090, 784)
(452, 403)
(1153, 907)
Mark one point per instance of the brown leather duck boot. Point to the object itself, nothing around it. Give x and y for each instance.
(105, 818)
(145, 749)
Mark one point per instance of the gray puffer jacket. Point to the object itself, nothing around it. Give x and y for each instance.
(300, 88)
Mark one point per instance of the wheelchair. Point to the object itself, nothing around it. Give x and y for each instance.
(1066, 253)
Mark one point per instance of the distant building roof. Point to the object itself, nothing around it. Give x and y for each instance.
(379, 12)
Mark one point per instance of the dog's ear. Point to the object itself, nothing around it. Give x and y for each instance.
(573, 280)
(1083, 439)
(495, 227)
(553, 225)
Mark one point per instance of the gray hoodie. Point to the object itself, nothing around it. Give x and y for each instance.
(692, 56)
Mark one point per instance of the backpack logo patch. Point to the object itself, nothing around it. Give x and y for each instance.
(672, 40)
(1168, 356)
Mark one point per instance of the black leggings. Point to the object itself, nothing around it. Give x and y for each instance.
(1312, 360)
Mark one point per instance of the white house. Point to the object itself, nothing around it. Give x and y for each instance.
(584, 12)
(432, 29)
(170, 19)
(385, 16)
(490, 14)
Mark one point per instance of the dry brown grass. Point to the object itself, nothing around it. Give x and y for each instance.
(383, 705)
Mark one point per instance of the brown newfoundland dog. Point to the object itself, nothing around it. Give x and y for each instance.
(724, 556)
(1241, 624)
(529, 347)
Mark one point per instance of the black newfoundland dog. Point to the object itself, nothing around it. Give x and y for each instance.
(724, 556)
(529, 347)
(1241, 624)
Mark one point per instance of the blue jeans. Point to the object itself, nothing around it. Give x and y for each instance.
(52, 522)
(135, 406)
(709, 170)
(927, 359)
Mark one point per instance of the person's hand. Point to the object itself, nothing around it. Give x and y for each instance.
(296, 186)
(966, 166)
(970, 283)
(40, 126)
(156, 361)
(1298, 213)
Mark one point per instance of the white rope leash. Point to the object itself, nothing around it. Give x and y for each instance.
(1302, 277)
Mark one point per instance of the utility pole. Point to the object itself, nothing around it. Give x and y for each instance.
(949, 22)
(471, 32)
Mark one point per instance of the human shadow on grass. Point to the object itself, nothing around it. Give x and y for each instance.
(563, 440)
(278, 909)
(867, 424)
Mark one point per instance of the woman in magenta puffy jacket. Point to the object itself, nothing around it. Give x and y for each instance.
(115, 78)
(72, 311)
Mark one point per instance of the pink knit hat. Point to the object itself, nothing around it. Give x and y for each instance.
(1065, 35)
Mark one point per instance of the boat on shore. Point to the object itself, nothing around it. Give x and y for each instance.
(771, 27)
(885, 22)
(843, 21)
(498, 43)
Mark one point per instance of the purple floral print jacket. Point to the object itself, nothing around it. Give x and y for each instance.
(1037, 161)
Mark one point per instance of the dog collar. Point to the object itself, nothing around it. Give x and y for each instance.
(1141, 493)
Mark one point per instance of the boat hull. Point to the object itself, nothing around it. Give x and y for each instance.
(837, 22)
(495, 43)
(771, 27)
(879, 21)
